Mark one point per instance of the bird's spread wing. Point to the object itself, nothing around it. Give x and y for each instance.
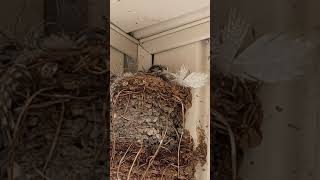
(183, 72)
(275, 57)
(232, 37)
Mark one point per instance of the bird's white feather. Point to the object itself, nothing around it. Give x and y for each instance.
(193, 80)
(183, 72)
(196, 80)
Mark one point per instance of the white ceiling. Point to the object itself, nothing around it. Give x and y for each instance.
(131, 15)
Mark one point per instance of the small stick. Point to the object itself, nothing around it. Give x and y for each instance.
(152, 159)
(46, 104)
(157, 151)
(68, 96)
(166, 149)
(41, 173)
(134, 162)
(97, 72)
(121, 160)
(114, 141)
(49, 103)
(125, 118)
(182, 110)
(164, 170)
(125, 111)
(55, 140)
(24, 109)
(115, 101)
(179, 154)
(113, 149)
(80, 64)
(221, 119)
(16, 128)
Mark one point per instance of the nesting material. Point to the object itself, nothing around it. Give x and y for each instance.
(237, 117)
(55, 121)
(148, 136)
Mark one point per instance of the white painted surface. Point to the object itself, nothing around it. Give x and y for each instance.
(285, 152)
(196, 57)
(123, 44)
(121, 32)
(133, 15)
(172, 23)
(116, 61)
(290, 148)
(177, 37)
(144, 59)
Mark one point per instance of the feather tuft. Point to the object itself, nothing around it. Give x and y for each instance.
(192, 80)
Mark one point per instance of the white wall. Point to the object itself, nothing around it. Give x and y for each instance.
(116, 61)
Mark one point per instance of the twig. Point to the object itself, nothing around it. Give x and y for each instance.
(221, 119)
(16, 128)
(115, 101)
(157, 151)
(179, 154)
(41, 173)
(96, 149)
(121, 160)
(25, 108)
(125, 111)
(68, 96)
(45, 104)
(182, 110)
(114, 140)
(135, 159)
(97, 72)
(164, 170)
(55, 140)
(80, 64)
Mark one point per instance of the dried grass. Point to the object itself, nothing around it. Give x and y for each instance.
(236, 113)
(155, 129)
(56, 132)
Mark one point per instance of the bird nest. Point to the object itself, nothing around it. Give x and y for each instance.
(148, 136)
(237, 117)
(53, 109)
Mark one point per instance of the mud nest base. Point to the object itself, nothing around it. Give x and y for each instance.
(148, 135)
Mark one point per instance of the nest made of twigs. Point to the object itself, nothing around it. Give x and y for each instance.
(148, 136)
(56, 127)
(237, 117)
